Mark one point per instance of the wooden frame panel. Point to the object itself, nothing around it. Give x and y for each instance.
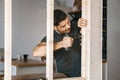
(49, 49)
(91, 40)
(8, 38)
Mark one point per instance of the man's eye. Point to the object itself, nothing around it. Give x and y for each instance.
(63, 26)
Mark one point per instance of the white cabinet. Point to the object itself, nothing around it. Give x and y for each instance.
(29, 67)
(27, 70)
(21, 67)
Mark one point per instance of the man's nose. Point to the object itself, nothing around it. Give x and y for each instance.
(67, 26)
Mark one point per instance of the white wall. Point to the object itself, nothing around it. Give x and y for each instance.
(29, 25)
(113, 40)
(1, 24)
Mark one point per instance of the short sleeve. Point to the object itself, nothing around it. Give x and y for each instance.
(44, 39)
(57, 37)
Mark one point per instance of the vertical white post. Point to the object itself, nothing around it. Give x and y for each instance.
(92, 40)
(8, 38)
(49, 49)
(85, 56)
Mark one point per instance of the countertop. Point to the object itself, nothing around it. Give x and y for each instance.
(28, 63)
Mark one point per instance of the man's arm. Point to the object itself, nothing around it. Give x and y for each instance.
(40, 49)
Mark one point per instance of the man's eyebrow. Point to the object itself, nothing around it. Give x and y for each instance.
(63, 25)
(66, 23)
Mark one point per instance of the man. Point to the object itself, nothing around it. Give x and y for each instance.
(67, 49)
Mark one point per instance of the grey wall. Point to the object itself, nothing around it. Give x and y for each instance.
(113, 40)
(68, 3)
(1, 24)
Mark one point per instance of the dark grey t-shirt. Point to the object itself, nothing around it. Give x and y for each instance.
(68, 62)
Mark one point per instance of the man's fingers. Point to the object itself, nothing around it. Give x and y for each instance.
(82, 22)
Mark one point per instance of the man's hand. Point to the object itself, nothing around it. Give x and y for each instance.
(67, 42)
(82, 23)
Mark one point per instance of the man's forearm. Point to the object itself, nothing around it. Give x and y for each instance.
(40, 49)
(58, 45)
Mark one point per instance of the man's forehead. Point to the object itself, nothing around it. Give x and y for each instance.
(64, 21)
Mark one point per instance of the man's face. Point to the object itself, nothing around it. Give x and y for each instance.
(64, 26)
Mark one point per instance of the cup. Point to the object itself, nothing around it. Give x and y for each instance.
(25, 57)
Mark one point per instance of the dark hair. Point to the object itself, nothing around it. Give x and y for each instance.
(59, 16)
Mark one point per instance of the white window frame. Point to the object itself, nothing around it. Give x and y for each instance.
(91, 40)
(7, 38)
(49, 49)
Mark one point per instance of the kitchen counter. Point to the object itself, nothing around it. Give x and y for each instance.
(30, 63)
